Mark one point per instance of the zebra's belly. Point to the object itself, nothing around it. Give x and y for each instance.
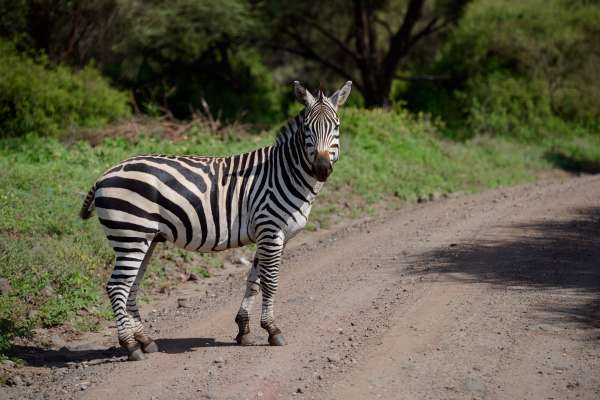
(196, 227)
(223, 243)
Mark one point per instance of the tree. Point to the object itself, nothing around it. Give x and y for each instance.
(364, 41)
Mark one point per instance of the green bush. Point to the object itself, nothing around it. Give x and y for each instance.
(526, 69)
(36, 97)
(502, 104)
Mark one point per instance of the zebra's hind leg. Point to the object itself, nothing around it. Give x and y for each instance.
(131, 255)
(147, 343)
(243, 316)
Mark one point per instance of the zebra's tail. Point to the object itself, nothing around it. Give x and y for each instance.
(88, 204)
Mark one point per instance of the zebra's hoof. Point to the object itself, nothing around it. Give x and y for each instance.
(243, 340)
(136, 355)
(276, 340)
(150, 347)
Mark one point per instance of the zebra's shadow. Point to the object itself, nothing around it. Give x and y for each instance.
(64, 357)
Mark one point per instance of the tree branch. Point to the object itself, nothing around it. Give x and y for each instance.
(384, 24)
(413, 78)
(309, 54)
(429, 29)
(402, 37)
(346, 49)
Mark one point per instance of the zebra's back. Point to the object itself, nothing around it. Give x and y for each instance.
(199, 203)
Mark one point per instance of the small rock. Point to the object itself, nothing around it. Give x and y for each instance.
(572, 385)
(434, 196)
(319, 377)
(8, 364)
(299, 390)
(422, 199)
(340, 331)
(193, 277)
(241, 260)
(84, 385)
(48, 291)
(164, 290)
(57, 341)
(183, 303)
(473, 384)
(14, 380)
(5, 287)
(219, 360)
(332, 359)
(95, 362)
(82, 312)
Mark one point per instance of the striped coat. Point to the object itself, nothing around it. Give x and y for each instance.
(211, 204)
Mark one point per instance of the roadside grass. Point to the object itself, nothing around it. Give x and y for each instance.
(57, 265)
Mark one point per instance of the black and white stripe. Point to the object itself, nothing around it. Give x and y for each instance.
(210, 204)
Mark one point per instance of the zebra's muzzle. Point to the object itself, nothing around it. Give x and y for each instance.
(322, 166)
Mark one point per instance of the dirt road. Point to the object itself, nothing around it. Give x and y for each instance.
(494, 295)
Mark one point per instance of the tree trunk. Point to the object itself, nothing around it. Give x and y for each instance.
(376, 91)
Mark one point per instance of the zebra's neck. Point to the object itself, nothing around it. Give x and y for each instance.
(289, 155)
(290, 129)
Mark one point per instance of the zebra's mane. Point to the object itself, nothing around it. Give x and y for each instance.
(287, 131)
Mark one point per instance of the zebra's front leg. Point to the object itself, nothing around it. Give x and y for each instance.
(243, 316)
(269, 252)
(147, 343)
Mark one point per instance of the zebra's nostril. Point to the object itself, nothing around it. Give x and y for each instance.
(322, 166)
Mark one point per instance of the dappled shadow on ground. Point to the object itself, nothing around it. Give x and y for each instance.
(573, 164)
(551, 254)
(39, 357)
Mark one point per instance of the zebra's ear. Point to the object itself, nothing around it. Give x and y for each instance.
(340, 97)
(303, 95)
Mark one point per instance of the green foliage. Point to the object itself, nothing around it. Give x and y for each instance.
(506, 105)
(13, 17)
(36, 97)
(521, 68)
(181, 54)
(404, 155)
(201, 271)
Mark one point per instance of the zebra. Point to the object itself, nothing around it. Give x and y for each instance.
(209, 204)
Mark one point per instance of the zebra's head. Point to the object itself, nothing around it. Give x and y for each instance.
(321, 127)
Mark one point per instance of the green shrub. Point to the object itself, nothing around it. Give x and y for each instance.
(502, 104)
(36, 97)
(526, 69)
